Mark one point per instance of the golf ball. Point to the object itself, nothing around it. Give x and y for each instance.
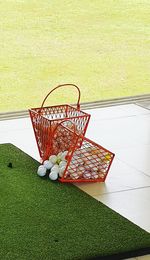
(62, 163)
(94, 175)
(48, 164)
(63, 155)
(59, 155)
(41, 171)
(74, 176)
(53, 175)
(55, 168)
(101, 175)
(107, 157)
(95, 169)
(87, 175)
(53, 159)
(61, 170)
(81, 170)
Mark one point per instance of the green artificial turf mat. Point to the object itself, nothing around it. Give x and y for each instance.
(40, 219)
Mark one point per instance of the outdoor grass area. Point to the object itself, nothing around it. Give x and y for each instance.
(102, 46)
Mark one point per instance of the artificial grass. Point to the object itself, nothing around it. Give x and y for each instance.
(102, 46)
(40, 219)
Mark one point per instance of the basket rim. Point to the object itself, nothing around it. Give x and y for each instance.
(58, 119)
(36, 108)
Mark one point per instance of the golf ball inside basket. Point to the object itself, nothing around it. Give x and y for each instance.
(63, 155)
(61, 170)
(87, 175)
(53, 159)
(94, 175)
(74, 176)
(41, 171)
(48, 164)
(62, 163)
(59, 156)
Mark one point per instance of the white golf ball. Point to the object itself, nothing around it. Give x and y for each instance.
(63, 155)
(48, 164)
(94, 176)
(41, 171)
(101, 175)
(81, 168)
(55, 168)
(62, 163)
(53, 175)
(74, 176)
(87, 175)
(61, 170)
(53, 159)
(59, 155)
(60, 174)
(94, 169)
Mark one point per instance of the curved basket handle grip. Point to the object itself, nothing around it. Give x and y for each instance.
(63, 85)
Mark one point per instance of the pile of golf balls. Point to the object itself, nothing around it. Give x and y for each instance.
(55, 165)
(89, 163)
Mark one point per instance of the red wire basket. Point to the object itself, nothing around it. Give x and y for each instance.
(88, 163)
(45, 120)
(64, 138)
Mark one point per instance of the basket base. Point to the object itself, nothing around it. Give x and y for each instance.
(81, 180)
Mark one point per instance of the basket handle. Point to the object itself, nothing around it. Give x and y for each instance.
(63, 85)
